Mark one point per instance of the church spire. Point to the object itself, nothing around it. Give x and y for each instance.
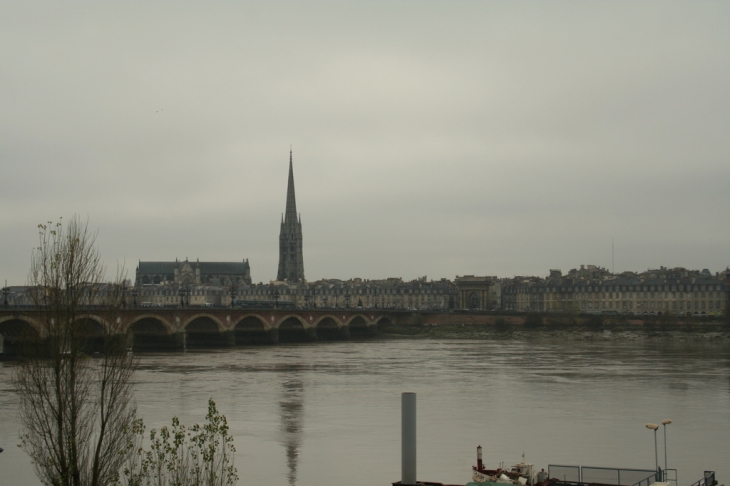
(291, 202)
(291, 261)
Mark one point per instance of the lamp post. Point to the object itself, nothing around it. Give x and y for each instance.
(276, 298)
(347, 300)
(233, 296)
(134, 297)
(654, 427)
(665, 423)
(181, 293)
(6, 291)
(124, 295)
(324, 300)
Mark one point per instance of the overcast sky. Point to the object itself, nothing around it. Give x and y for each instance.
(429, 138)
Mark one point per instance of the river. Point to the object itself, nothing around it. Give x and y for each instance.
(329, 413)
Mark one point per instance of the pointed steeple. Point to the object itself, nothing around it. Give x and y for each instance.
(291, 264)
(291, 202)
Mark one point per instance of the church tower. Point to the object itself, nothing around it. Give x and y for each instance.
(291, 261)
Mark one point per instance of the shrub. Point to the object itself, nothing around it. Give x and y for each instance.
(198, 456)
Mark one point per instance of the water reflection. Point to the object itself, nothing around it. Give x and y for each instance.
(291, 407)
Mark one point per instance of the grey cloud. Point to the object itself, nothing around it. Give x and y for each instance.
(429, 138)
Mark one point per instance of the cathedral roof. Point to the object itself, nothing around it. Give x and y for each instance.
(156, 267)
(223, 268)
(206, 268)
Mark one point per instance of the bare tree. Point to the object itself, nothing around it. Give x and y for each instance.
(76, 411)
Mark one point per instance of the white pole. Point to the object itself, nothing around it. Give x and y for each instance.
(665, 423)
(654, 427)
(408, 438)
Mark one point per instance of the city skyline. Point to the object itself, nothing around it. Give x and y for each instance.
(482, 139)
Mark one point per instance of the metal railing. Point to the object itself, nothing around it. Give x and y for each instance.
(707, 480)
(670, 476)
(579, 476)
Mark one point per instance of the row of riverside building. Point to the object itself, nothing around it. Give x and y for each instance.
(592, 289)
(588, 290)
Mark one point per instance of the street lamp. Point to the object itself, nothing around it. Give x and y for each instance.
(347, 300)
(233, 296)
(134, 297)
(324, 299)
(276, 298)
(181, 293)
(654, 427)
(124, 295)
(6, 291)
(665, 423)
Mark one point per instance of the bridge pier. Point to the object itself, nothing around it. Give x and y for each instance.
(229, 338)
(311, 333)
(345, 332)
(9, 348)
(273, 335)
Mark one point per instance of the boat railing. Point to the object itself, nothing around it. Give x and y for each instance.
(579, 476)
(670, 476)
(707, 480)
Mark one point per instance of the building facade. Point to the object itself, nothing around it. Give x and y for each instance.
(391, 293)
(186, 273)
(593, 290)
(478, 293)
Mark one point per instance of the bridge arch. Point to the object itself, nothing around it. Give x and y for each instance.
(206, 330)
(331, 329)
(250, 318)
(33, 323)
(154, 332)
(221, 326)
(357, 318)
(360, 326)
(169, 328)
(333, 317)
(95, 322)
(14, 331)
(252, 329)
(289, 318)
(294, 328)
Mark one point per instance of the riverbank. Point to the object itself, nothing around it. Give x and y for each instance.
(704, 332)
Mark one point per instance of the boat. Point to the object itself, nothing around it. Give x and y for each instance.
(522, 474)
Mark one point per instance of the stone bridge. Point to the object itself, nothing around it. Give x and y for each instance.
(180, 328)
(176, 328)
